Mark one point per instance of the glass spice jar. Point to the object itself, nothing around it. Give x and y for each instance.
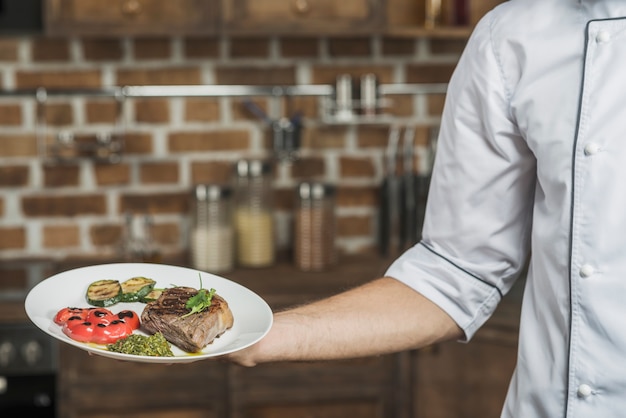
(314, 227)
(254, 222)
(212, 232)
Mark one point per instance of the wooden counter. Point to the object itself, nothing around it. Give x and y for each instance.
(447, 380)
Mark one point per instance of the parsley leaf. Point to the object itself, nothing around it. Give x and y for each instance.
(200, 301)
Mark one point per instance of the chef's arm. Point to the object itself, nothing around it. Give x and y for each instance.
(380, 317)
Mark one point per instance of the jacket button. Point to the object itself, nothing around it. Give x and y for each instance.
(591, 148)
(603, 36)
(584, 391)
(586, 270)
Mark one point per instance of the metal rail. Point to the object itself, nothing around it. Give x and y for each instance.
(217, 91)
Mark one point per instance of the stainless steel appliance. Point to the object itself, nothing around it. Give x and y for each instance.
(28, 356)
(27, 371)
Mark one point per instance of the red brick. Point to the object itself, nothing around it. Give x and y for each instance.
(398, 47)
(102, 49)
(102, 111)
(59, 114)
(166, 233)
(155, 203)
(373, 137)
(112, 174)
(18, 145)
(429, 73)
(400, 106)
(10, 115)
(152, 111)
(60, 236)
(324, 137)
(58, 79)
(447, 46)
(61, 175)
(308, 168)
(162, 76)
(209, 141)
(14, 175)
(12, 238)
(202, 110)
(435, 104)
(354, 196)
(152, 48)
(201, 48)
(349, 47)
(249, 48)
(64, 205)
(49, 49)
(354, 226)
(8, 49)
(422, 135)
(356, 167)
(107, 234)
(299, 47)
(137, 143)
(256, 75)
(159, 172)
(205, 172)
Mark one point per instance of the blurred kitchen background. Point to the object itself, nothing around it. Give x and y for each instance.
(112, 113)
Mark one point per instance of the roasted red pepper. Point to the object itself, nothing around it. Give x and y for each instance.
(63, 315)
(97, 325)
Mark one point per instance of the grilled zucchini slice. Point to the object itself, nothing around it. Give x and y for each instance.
(136, 288)
(152, 296)
(104, 293)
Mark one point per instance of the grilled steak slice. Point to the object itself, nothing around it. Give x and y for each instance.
(193, 332)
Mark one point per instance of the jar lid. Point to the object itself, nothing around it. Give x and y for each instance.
(252, 168)
(211, 192)
(314, 190)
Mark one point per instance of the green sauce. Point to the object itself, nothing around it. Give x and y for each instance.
(155, 345)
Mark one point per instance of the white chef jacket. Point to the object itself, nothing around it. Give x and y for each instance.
(531, 159)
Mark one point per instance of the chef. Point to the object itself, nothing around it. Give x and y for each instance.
(530, 171)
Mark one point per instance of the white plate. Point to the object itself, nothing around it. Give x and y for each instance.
(253, 316)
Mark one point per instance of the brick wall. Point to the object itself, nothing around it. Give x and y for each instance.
(76, 209)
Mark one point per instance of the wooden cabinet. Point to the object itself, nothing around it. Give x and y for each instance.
(296, 17)
(462, 381)
(131, 17)
(99, 387)
(361, 388)
(93, 386)
(404, 18)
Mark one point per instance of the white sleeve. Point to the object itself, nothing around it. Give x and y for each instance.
(479, 212)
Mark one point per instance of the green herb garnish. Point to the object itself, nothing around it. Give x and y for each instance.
(155, 345)
(200, 301)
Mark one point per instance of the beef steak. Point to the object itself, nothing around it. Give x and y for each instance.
(193, 332)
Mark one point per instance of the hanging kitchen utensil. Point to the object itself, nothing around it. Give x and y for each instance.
(423, 182)
(286, 132)
(408, 198)
(389, 194)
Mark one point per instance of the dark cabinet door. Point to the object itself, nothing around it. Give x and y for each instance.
(294, 17)
(131, 17)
